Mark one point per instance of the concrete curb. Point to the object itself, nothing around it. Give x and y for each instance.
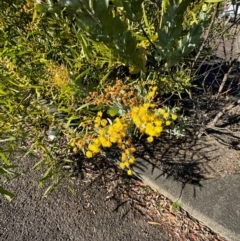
(214, 202)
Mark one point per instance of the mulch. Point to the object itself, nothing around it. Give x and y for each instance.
(156, 209)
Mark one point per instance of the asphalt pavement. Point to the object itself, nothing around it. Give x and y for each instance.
(86, 216)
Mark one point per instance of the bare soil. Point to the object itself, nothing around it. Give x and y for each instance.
(210, 147)
(196, 156)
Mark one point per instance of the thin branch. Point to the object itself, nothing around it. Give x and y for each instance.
(221, 113)
(207, 35)
(224, 81)
(149, 40)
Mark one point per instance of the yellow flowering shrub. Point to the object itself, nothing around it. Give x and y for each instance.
(137, 113)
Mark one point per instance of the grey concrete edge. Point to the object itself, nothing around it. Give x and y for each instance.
(144, 171)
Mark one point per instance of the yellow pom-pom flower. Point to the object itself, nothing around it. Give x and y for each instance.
(150, 139)
(89, 154)
(113, 139)
(168, 123)
(122, 165)
(174, 116)
(162, 111)
(127, 165)
(94, 148)
(132, 149)
(131, 160)
(166, 115)
(130, 172)
(124, 156)
(99, 114)
(75, 149)
(104, 122)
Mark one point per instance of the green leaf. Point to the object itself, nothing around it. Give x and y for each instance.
(145, 18)
(38, 163)
(3, 171)
(2, 92)
(117, 3)
(87, 22)
(52, 187)
(11, 138)
(130, 43)
(41, 8)
(5, 160)
(137, 9)
(48, 174)
(162, 39)
(84, 106)
(213, 1)
(8, 195)
(82, 74)
(113, 111)
(73, 117)
(99, 6)
(71, 190)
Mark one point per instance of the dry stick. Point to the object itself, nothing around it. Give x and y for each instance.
(225, 92)
(224, 31)
(225, 77)
(229, 70)
(216, 36)
(211, 124)
(167, 99)
(207, 35)
(230, 63)
(220, 114)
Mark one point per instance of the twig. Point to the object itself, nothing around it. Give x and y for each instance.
(167, 98)
(219, 143)
(207, 35)
(149, 40)
(221, 113)
(225, 131)
(211, 124)
(225, 77)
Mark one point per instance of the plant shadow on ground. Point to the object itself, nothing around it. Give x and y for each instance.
(205, 152)
(123, 190)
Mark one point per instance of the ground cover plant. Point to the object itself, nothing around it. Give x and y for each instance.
(85, 76)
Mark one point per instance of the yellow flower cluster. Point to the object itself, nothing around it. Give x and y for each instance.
(106, 133)
(127, 158)
(151, 121)
(151, 94)
(109, 135)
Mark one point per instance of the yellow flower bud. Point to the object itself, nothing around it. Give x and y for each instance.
(174, 116)
(131, 160)
(166, 115)
(162, 111)
(124, 156)
(150, 139)
(75, 149)
(104, 122)
(130, 172)
(99, 114)
(73, 142)
(122, 165)
(89, 154)
(168, 123)
(127, 165)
